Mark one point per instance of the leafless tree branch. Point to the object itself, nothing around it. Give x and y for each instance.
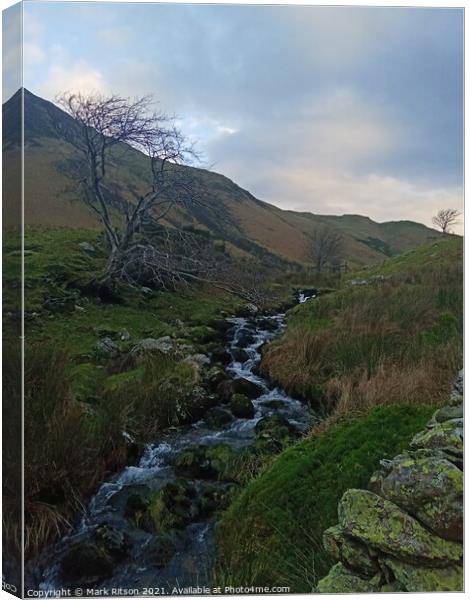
(446, 218)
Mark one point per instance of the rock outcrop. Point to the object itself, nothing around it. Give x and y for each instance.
(405, 533)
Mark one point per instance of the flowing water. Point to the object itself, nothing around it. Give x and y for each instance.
(191, 563)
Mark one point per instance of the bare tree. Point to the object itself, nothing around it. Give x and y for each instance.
(100, 123)
(446, 218)
(326, 247)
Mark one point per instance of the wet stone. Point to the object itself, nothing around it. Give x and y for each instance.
(217, 418)
(242, 407)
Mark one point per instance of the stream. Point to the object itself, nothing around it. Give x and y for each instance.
(193, 551)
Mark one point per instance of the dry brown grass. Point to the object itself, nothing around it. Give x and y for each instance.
(360, 347)
(426, 383)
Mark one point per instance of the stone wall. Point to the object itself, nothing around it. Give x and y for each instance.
(405, 533)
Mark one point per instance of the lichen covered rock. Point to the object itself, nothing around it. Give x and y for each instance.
(349, 551)
(341, 580)
(447, 436)
(409, 524)
(381, 524)
(428, 487)
(414, 578)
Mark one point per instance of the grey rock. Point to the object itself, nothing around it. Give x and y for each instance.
(447, 436)
(163, 344)
(87, 247)
(459, 383)
(349, 551)
(427, 486)
(448, 412)
(341, 580)
(106, 348)
(198, 360)
(382, 525)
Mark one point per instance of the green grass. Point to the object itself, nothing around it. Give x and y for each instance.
(403, 335)
(78, 404)
(58, 312)
(272, 533)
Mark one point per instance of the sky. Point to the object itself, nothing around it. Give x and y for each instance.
(330, 110)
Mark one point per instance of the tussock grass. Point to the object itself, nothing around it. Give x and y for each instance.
(71, 446)
(377, 359)
(378, 344)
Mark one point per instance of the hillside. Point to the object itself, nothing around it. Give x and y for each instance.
(248, 225)
(378, 357)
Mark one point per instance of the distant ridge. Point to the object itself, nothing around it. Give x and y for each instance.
(245, 223)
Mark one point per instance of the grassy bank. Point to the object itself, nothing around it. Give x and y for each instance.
(377, 356)
(78, 399)
(272, 533)
(397, 337)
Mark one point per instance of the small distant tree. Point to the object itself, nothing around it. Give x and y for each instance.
(446, 218)
(326, 247)
(98, 125)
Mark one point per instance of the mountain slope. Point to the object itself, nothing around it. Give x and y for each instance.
(231, 213)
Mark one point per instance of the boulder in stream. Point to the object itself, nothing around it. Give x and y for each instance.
(206, 462)
(92, 558)
(240, 355)
(174, 506)
(242, 407)
(214, 376)
(221, 355)
(217, 418)
(276, 428)
(246, 387)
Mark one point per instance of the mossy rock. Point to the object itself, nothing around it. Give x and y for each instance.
(215, 376)
(195, 404)
(174, 506)
(242, 407)
(85, 564)
(414, 578)
(194, 462)
(350, 552)
(384, 526)
(446, 413)
(221, 355)
(90, 559)
(277, 429)
(341, 580)
(426, 485)
(202, 334)
(446, 436)
(215, 497)
(207, 462)
(217, 418)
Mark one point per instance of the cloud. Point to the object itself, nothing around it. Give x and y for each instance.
(320, 191)
(33, 53)
(332, 108)
(74, 77)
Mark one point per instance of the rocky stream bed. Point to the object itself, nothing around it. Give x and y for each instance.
(151, 526)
